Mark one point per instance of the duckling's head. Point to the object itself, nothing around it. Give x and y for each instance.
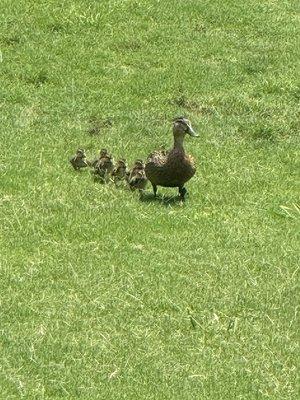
(103, 153)
(122, 163)
(182, 126)
(139, 164)
(80, 153)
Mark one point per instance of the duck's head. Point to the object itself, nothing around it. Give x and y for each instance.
(122, 163)
(182, 126)
(103, 153)
(139, 164)
(80, 153)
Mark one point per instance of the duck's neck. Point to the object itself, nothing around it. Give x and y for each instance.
(178, 142)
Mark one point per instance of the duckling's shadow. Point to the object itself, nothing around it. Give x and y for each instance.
(164, 200)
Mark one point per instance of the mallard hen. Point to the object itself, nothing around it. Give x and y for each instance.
(172, 168)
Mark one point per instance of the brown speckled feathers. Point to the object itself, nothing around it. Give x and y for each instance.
(170, 168)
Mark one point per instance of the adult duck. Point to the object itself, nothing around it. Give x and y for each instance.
(172, 168)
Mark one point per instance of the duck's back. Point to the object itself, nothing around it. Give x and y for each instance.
(170, 168)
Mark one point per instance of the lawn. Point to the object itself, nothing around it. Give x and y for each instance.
(107, 296)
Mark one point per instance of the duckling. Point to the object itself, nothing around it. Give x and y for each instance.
(104, 167)
(102, 154)
(172, 168)
(136, 178)
(79, 160)
(120, 171)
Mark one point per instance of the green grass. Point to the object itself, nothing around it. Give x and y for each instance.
(102, 295)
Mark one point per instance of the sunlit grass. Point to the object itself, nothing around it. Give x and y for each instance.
(107, 296)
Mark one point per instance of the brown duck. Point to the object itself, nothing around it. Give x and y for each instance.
(136, 178)
(79, 160)
(104, 167)
(120, 171)
(102, 154)
(172, 168)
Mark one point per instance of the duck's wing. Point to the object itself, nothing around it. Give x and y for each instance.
(158, 157)
(190, 160)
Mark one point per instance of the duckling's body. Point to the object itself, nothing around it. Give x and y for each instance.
(172, 168)
(119, 173)
(136, 178)
(79, 160)
(102, 154)
(104, 167)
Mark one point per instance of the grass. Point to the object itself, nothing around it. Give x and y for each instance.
(106, 296)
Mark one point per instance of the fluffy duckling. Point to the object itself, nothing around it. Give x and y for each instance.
(104, 167)
(79, 160)
(120, 171)
(102, 154)
(136, 178)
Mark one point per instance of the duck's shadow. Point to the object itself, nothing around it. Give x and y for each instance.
(164, 200)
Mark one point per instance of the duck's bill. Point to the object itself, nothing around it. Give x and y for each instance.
(191, 132)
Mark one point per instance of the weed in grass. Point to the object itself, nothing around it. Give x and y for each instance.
(10, 40)
(58, 28)
(97, 125)
(37, 79)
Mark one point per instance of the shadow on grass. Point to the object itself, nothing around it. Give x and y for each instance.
(161, 199)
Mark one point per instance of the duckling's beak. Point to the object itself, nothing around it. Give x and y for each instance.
(191, 131)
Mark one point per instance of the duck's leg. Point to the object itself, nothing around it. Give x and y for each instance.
(182, 192)
(154, 189)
